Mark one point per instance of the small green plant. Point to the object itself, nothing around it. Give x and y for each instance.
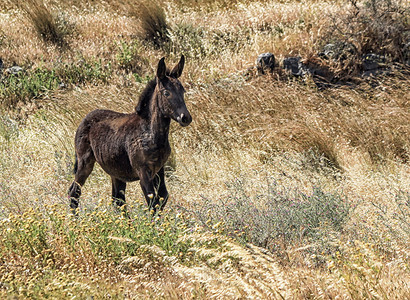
(128, 57)
(9, 128)
(140, 79)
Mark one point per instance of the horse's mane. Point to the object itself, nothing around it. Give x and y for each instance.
(142, 108)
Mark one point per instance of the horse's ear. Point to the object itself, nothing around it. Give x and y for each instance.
(161, 70)
(177, 70)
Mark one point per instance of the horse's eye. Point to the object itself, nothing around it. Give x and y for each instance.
(166, 93)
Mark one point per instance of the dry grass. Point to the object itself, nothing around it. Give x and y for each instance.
(255, 130)
(45, 23)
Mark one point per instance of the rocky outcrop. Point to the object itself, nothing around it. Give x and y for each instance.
(265, 63)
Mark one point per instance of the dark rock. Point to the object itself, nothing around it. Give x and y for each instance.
(369, 65)
(406, 53)
(14, 70)
(265, 63)
(337, 51)
(374, 64)
(372, 61)
(295, 66)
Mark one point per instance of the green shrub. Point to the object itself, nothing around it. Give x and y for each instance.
(25, 86)
(83, 71)
(128, 57)
(46, 252)
(230, 40)
(102, 233)
(28, 85)
(278, 220)
(188, 39)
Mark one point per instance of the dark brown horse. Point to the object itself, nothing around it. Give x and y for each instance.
(133, 146)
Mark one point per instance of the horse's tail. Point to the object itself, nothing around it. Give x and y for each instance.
(75, 164)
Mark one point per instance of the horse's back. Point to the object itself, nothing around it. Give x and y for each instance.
(97, 116)
(92, 123)
(102, 115)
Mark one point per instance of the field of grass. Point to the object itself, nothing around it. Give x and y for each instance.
(278, 188)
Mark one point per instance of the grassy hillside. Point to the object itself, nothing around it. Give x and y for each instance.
(279, 188)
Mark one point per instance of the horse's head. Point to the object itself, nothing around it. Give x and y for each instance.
(170, 93)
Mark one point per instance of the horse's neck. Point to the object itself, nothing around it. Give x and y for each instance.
(159, 125)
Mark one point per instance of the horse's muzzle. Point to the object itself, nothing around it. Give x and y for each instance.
(184, 119)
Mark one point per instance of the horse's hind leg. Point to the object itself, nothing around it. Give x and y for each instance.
(85, 165)
(118, 191)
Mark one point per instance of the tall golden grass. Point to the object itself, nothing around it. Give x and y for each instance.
(256, 130)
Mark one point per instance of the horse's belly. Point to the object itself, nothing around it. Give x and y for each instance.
(117, 165)
(126, 159)
(120, 173)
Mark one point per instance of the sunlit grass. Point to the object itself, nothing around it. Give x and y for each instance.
(101, 244)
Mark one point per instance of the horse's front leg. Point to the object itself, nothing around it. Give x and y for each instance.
(118, 192)
(159, 181)
(154, 189)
